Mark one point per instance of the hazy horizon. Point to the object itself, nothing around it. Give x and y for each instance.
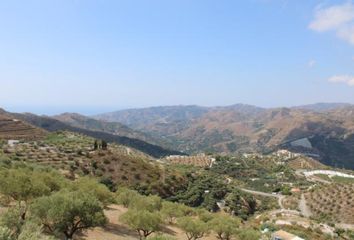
(92, 56)
(89, 111)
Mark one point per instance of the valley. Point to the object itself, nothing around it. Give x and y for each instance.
(323, 131)
(252, 195)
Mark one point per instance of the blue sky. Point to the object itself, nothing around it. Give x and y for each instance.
(96, 56)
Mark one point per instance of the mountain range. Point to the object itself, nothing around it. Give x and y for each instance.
(27, 126)
(324, 131)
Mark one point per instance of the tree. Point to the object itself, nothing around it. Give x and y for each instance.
(33, 231)
(66, 213)
(143, 222)
(92, 187)
(23, 185)
(15, 228)
(170, 211)
(194, 228)
(95, 145)
(125, 196)
(241, 204)
(224, 226)
(151, 203)
(104, 145)
(248, 234)
(204, 215)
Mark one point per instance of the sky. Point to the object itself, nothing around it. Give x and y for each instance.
(96, 56)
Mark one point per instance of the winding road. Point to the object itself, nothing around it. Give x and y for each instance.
(278, 196)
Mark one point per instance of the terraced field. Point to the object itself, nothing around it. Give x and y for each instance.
(74, 154)
(199, 160)
(333, 203)
(15, 129)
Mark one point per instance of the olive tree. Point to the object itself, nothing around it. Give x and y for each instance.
(94, 188)
(194, 228)
(171, 211)
(248, 234)
(224, 226)
(125, 196)
(12, 227)
(151, 203)
(66, 213)
(143, 222)
(22, 185)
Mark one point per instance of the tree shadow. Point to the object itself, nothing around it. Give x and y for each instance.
(168, 230)
(115, 229)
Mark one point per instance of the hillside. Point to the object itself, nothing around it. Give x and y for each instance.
(325, 131)
(74, 155)
(53, 125)
(115, 128)
(12, 128)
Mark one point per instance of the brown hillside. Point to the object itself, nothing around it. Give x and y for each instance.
(327, 134)
(11, 128)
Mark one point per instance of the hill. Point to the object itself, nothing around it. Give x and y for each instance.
(52, 125)
(323, 106)
(324, 131)
(12, 128)
(115, 128)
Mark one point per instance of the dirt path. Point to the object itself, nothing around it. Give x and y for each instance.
(304, 209)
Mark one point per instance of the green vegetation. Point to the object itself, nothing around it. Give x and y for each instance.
(143, 221)
(194, 228)
(249, 234)
(66, 213)
(47, 202)
(343, 180)
(261, 173)
(75, 155)
(43, 203)
(225, 227)
(203, 190)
